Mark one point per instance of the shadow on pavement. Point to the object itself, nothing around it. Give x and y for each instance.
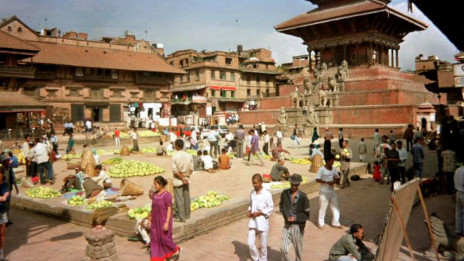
(243, 253)
(71, 235)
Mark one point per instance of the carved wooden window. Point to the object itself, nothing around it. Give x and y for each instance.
(117, 93)
(52, 93)
(96, 93)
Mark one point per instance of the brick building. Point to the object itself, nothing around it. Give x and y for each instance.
(224, 81)
(100, 80)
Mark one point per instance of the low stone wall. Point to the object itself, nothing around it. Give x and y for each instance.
(204, 222)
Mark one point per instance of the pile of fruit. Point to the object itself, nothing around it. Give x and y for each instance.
(148, 150)
(122, 135)
(139, 213)
(263, 156)
(113, 161)
(43, 192)
(231, 155)
(133, 168)
(71, 156)
(99, 204)
(107, 152)
(148, 133)
(286, 184)
(191, 152)
(211, 199)
(300, 161)
(76, 201)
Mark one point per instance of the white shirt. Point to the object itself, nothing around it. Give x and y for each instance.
(459, 179)
(403, 157)
(328, 176)
(88, 124)
(40, 152)
(194, 135)
(208, 161)
(267, 138)
(261, 201)
(172, 137)
(102, 178)
(25, 148)
(230, 136)
(212, 137)
(97, 159)
(134, 135)
(279, 134)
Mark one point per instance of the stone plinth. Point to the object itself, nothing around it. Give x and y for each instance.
(102, 246)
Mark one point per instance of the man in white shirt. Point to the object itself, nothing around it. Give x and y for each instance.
(207, 161)
(459, 186)
(41, 154)
(25, 149)
(182, 168)
(327, 176)
(402, 163)
(213, 139)
(279, 136)
(267, 140)
(259, 210)
(102, 178)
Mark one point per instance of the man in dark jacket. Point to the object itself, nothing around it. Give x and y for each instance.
(294, 206)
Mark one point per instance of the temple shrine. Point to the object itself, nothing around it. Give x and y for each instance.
(355, 81)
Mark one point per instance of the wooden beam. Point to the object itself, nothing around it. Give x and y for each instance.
(403, 227)
(352, 25)
(315, 32)
(340, 28)
(427, 219)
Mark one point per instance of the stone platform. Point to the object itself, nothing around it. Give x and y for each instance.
(202, 221)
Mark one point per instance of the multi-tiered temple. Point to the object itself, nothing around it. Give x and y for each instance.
(355, 81)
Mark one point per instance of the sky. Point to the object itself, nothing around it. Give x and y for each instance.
(204, 24)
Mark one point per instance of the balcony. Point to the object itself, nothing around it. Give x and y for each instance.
(153, 80)
(95, 78)
(17, 71)
(45, 75)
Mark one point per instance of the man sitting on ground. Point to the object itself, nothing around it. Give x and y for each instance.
(279, 172)
(102, 178)
(276, 152)
(350, 247)
(91, 188)
(73, 181)
(160, 150)
(224, 160)
(207, 161)
(198, 162)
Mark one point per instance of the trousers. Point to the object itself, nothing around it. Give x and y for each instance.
(459, 213)
(261, 254)
(326, 198)
(49, 167)
(239, 149)
(345, 175)
(291, 234)
(257, 154)
(182, 199)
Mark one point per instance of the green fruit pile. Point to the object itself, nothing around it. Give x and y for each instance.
(211, 199)
(99, 204)
(263, 155)
(133, 168)
(231, 155)
(300, 161)
(139, 212)
(286, 184)
(191, 152)
(148, 133)
(148, 150)
(71, 156)
(113, 161)
(107, 152)
(76, 201)
(43, 192)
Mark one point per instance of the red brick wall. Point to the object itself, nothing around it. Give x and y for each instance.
(374, 115)
(275, 103)
(286, 90)
(255, 117)
(384, 97)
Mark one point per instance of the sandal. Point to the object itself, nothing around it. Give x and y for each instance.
(175, 257)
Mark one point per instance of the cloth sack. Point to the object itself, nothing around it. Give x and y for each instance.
(293, 137)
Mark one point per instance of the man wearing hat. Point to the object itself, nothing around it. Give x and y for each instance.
(294, 206)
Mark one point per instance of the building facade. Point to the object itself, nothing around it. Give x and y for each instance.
(219, 81)
(105, 81)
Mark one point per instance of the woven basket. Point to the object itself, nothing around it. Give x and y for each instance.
(316, 164)
(73, 164)
(124, 151)
(128, 188)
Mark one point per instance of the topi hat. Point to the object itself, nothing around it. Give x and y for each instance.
(295, 179)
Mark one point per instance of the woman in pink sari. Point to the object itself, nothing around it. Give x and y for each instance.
(162, 247)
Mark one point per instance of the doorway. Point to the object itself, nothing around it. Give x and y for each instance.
(97, 114)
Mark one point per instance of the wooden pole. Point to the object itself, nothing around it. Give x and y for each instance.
(427, 219)
(403, 227)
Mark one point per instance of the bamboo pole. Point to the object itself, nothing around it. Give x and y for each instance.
(427, 219)
(403, 227)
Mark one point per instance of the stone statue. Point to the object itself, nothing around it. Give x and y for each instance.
(282, 119)
(323, 99)
(307, 86)
(333, 85)
(296, 98)
(312, 118)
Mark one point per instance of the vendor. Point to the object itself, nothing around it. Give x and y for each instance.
(92, 189)
(160, 150)
(277, 151)
(102, 178)
(279, 172)
(73, 181)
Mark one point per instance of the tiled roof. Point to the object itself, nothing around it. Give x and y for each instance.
(16, 99)
(10, 42)
(105, 58)
(321, 15)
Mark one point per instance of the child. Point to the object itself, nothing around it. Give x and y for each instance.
(207, 161)
(198, 162)
(377, 175)
(362, 150)
(224, 160)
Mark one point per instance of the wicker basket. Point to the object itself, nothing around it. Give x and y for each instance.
(73, 164)
(124, 151)
(128, 188)
(316, 164)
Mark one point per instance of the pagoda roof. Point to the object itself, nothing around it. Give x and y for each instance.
(345, 11)
(14, 45)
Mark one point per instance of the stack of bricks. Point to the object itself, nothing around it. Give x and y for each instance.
(102, 246)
